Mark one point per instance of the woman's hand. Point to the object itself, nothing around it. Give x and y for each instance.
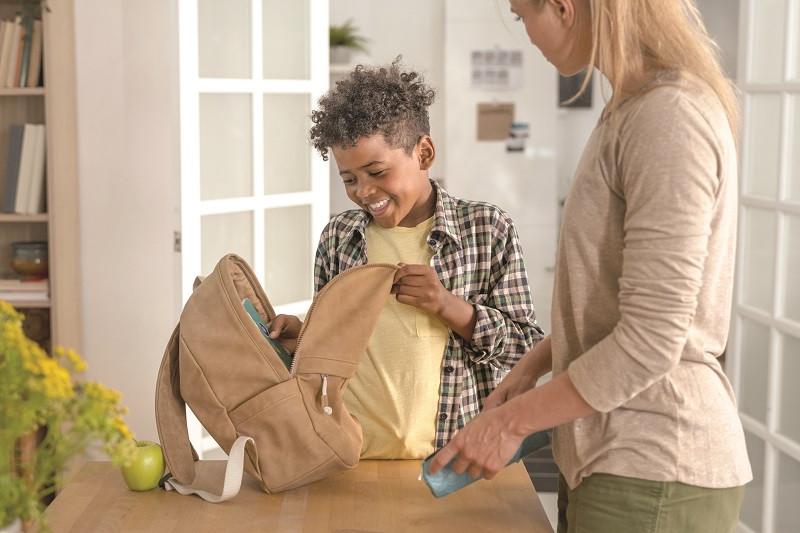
(484, 446)
(285, 329)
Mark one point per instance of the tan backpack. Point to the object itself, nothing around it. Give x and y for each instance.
(285, 427)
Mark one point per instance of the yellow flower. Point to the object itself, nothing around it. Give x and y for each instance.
(37, 390)
(120, 426)
(75, 360)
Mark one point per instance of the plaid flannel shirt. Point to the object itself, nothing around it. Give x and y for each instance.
(478, 257)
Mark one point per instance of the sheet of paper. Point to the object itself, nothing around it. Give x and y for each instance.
(494, 121)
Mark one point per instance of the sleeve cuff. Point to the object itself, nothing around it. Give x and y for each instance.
(488, 328)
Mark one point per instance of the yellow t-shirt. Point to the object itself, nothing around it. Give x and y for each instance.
(395, 391)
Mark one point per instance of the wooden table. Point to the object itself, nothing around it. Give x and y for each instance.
(375, 496)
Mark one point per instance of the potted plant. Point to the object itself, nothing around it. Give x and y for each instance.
(48, 415)
(344, 39)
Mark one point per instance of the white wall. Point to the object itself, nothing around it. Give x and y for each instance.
(128, 174)
(521, 183)
(411, 28)
(721, 18)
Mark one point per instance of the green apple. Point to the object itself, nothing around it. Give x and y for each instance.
(146, 468)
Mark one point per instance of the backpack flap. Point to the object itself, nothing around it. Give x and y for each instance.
(341, 319)
(171, 415)
(329, 348)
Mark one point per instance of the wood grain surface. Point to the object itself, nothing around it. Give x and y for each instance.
(376, 496)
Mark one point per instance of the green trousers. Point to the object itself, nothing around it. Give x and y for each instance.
(604, 503)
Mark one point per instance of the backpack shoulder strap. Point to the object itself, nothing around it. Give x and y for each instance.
(224, 487)
(171, 415)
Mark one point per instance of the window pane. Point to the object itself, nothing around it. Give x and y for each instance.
(768, 41)
(752, 506)
(759, 258)
(791, 305)
(286, 39)
(287, 250)
(794, 147)
(754, 350)
(223, 38)
(789, 423)
(224, 234)
(287, 157)
(763, 145)
(787, 494)
(225, 146)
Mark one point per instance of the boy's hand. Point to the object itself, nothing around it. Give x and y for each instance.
(285, 329)
(419, 286)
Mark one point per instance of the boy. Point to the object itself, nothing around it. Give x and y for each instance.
(461, 313)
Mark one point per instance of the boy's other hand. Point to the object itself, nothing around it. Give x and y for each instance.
(419, 286)
(285, 329)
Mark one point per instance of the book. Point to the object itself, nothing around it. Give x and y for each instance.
(35, 64)
(18, 290)
(15, 285)
(25, 179)
(36, 196)
(25, 55)
(12, 167)
(23, 296)
(12, 52)
(6, 32)
(17, 56)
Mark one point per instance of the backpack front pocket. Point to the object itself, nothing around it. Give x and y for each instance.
(288, 447)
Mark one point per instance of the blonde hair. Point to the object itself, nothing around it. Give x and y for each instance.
(634, 39)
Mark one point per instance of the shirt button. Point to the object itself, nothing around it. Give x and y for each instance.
(442, 416)
(448, 369)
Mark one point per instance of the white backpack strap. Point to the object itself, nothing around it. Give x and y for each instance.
(231, 483)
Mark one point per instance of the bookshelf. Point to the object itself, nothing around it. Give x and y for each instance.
(52, 105)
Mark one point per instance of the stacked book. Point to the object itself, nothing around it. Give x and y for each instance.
(24, 188)
(20, 53)
(18, 290)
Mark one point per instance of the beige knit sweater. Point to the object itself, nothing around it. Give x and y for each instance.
(642, 296)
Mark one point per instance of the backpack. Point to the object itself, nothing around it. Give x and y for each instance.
(286, 427)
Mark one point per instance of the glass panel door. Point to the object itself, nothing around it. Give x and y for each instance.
(250, 72)
(764, 347)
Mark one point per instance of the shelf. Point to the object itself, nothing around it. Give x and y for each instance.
(22, 91)
(15, 217)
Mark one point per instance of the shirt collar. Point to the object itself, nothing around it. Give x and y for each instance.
(445, 221)
(445, 218)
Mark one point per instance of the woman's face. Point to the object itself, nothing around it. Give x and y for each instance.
(561, 29)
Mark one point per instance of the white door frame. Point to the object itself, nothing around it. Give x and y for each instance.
(192, 207)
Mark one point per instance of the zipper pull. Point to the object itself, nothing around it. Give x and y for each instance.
(324, 397)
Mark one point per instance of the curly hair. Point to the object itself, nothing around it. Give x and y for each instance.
(373, 99)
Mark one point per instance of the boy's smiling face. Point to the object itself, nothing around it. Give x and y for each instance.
(388, 183)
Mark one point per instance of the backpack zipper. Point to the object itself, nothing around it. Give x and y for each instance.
(324, 396)
(293, 370)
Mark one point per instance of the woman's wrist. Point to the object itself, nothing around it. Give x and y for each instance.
(542, 362)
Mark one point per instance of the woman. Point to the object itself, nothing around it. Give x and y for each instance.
(647, 436)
